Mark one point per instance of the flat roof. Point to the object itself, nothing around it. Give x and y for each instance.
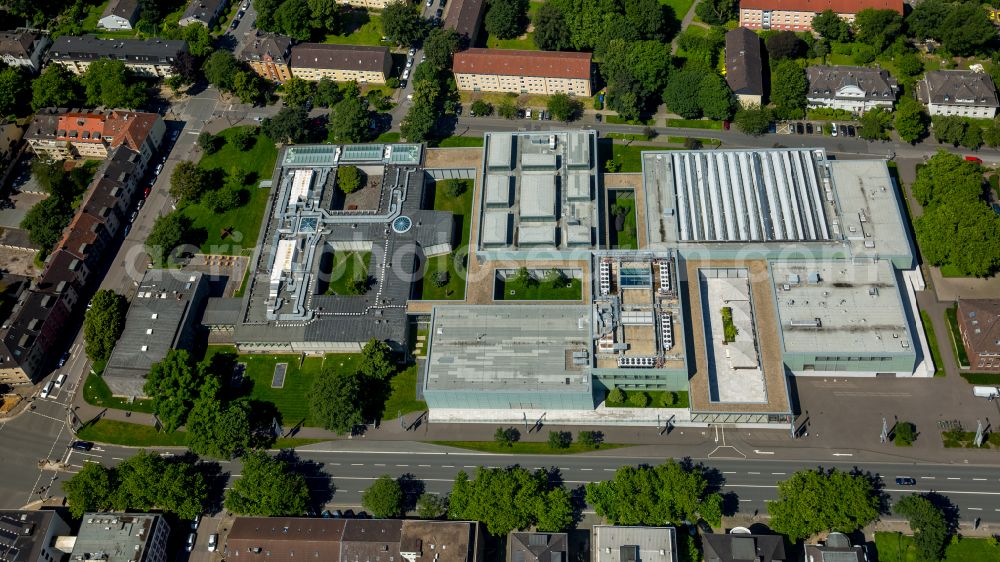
(578, 186)
(498, 189)
(736, 366)
(496, 228)
(508, 347)
(499, 152)
(528, 234)
(120, 537)
(870, 215)
(537, 196)
(614, 543)
(840, 305)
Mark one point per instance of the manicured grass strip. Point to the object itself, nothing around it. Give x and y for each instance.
(616, 120)
(949, 271)
(680, 7)
(459, 142)
(346, 265)
(389, 136)
(524, 448)
(293, 442)
(694, 124)
(243, 285)
(403, 397)
(115, 432)
(542, 291)
(627, 154)
(627, 136)
(454, 262)
(627, 238)
(982, 378)
(925, 319)
(97, 393)
(896, 547)
(953, 439)
(655, 399)
(956, 337)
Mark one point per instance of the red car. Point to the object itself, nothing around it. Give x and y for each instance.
(974, 159)
(147, 191)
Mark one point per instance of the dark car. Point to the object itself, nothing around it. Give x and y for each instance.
(63, 359)
(799, 128)
(439, 12)
(843, 130)
(850, 130)
(906, 481)
(82, 445)
(809, 128)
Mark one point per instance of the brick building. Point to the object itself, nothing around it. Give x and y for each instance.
(979, 324)
(523, 72)
(797, 15)
(341, 63)
(267, 54)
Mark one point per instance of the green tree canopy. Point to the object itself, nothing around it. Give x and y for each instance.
(431, 506)
(402, 24)
(635, 73)
(376, 361)
(221, 68)
(506, 499)
(90, 489)
(924, 22)
(831, 26)
(173, 385)
(875, 124)
(335, 400)
(878, 28)
(13, 91)
(966, 30)
(419, 121)
(717, 12)
(384, 498)
(349, 120)
(962, 233)
(55, 87)
(564, 108)
(268, 487)
(669, 493)
(169, 231)
(678, 93)
(754, 120)
(788, 90)
(297, 91)
(104, 322)
(930, 529)
(294, 19)
(439, 47)
(911, 121)
(289, 125)
(506, 19)
(327, 93)
(785, 45)
(188, 181)
(348, 178)
(812, 501)
(715, 97)
(551, 32)
(107, 82)
(45, 222)
(946, 177)
(648, 18)
(222, 429)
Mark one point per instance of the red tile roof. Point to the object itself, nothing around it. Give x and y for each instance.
(129, 128)
(504, 62)
(816, 6)
(80, 127)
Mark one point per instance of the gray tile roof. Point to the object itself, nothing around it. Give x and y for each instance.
(743, 62)
(958, 87)
(136, 51)
(831, 82)
(339, 57)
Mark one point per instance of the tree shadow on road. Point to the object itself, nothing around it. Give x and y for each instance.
(321, 486)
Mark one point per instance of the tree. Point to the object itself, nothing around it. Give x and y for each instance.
(243, 139)
(909, 64)
(188, 181)
(702, 48)
(376, 361)
(402, 24)
(924, 22)
(384, 498)
(348, 178)
(335, 400)
(812, 501)
(349, 120)
(784, 45)
(947, 178)
(13, 90)
(961, 233)
(929, 526)
(248, 87)
(678, 93)
(506, 436)
(482, 108)
(948, 128)
(419, 122)
(506, 19)
(265, 13)
(966, 30)
(455, 188)
(103, 323)
(89, 489)
(589, 439)
(991, 134)
(325, 16)
(904, 434)
(616, 396)
(717, 12)
(551, 32)
(107, 82)
(635, 72)
(297, 92)
(55, 87)
(199, 41)
(507, 109)
(638, 399)
(168, 232)
(715, 97)
(831, 26)
(294, 19)
(556, 278)
(564, 108)
(973, 137)
(209, 143)
(669, 493)
(439, 47)
(173, 385)
(221, 68)
(431, 506)
(267, 488)
(45, 222)
(788, 90)
(506, 499)
(878, 28)
(441, 279)
(327, 93)
(875, 124)
(289, 125)
(218, 429)
(648, 18)
(560, 439)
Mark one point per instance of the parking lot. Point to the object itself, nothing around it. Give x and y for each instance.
(823, 128)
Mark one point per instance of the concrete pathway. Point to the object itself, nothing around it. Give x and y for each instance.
(685, 22)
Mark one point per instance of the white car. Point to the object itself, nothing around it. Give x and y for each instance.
(46, 390)
(213, 542)
(159, 168)
(406, 74)
(60, 380)
(189, 545)
(411, 52)
(430, 3)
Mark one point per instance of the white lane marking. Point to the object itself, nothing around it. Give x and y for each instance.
(746, 500)
(777, 473)
(757, 473)
(117, 459)
(843, 454)
(379, 464)
(424, 465)
(609, 470)
(403, 465)
(927, 477)
(728, 472)
(586, 469)
(357, 464)
(974, 508)
(953, 478)
(447, 466)
(980, 479)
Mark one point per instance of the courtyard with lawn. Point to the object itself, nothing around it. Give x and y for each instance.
(515, 289)
(346, 267)
(232, 231)
(525, 42)
(621, 203)
(360, 27)
(454, 262)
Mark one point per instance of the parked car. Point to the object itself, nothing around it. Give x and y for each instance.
(411, 52)
(833, 129)
(147, 191)
(174, 135)
(213, 542)
(141, 201)
(159, 168)
(974, 159)
(430, 3)
(726, 124)
(60, 380)
(439, 12)
(82, 445)
(906, 481)
(128, 228)
(46, 390)
(62, 359)
(195, 522)
(135, 214)
(189, 545)
(809, 128)
(843, 130)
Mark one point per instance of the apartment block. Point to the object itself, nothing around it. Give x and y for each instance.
(23, 48)
(341, 63)
(65, 134)
(797, 15)
(851, 88)
(30, 536)
(148, 57)
(523, 72)
(959, 92)
(267, 54)
(121, 537)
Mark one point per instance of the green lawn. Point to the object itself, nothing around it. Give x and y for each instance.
(460, 142)
(524, 43)
(391, 136)
(680, 7)
(627, 136)
(97, 393)
(982, 378)
(627, 154)
(454, 262)
(627, 238)
(240, 226)
(694, 124)
(542, 291)
(361, 27)
(345, 266)
(403, 398)
(523, 448)
(951, 315)
(925, 319)
(129, 434)
(895, 547)
(963, 439)
(948, 270)
(655, 399)
(243, 285)
(616, 120)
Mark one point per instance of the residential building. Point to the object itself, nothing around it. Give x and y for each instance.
(10, 137)
(202, 12)
(851, 88)
(267, 54)
(288, 539)
(613, 543)
(30, 536)
(148, 57)
(341, 63)
(744, 68)
(23, 48)
(162, 316)
(464, 16)
(537, 547)
(121, 537)
(979, 324)
(65, 134)
(119, 15)
(367, 4)
(742, 547)
(959, 92)
(838, 548)
(797, 15)
(523, 72)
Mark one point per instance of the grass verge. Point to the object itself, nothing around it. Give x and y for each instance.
(97, 393)
(459, 142)
(955, 439)
(525, 448)
(454, 261)
(403, 396)
(115, 432)
(694, 124)
(951, 315)
(925, 319)
(982, 378)
(617, 120)
(541, 291)
(656, 398)
(897, 547)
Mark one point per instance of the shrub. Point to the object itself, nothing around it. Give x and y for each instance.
(455, 188)
(506, 436)
(482, 108)
(348, 178)
(728, 328)
(590, 439)
(598, 104)
(441, 278)
(616, 396)
(639, 399)
(392, 82)
(668, 399)
(560, 439)
(905, 434)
